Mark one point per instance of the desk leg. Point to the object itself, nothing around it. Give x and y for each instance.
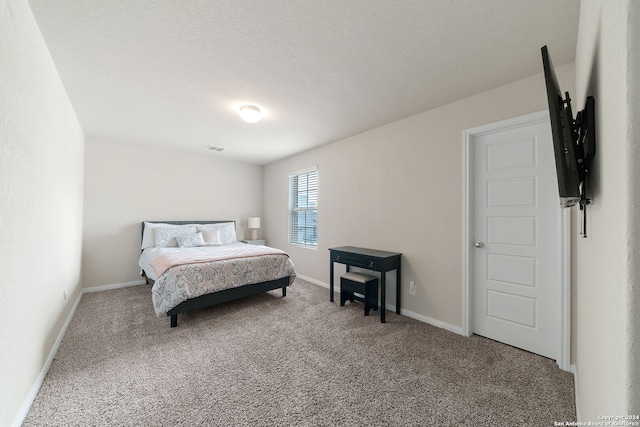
(331, 281)
(383, 295)
(398, 286)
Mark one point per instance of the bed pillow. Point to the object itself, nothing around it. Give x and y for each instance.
(149, 235)
(190, 240)
(166, 237)
(211, 237)
(227, 231)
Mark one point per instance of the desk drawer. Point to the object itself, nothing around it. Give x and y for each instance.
(355, 261)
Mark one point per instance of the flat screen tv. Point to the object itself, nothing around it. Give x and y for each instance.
(574, 141)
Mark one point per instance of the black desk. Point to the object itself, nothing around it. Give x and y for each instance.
(370, 259)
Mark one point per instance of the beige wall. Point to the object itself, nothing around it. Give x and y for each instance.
(41, 150)
(127, 183)
(606, 263)
(399, 188)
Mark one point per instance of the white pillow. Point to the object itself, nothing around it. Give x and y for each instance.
(227, 231)
(149, 235)
(190, 240)
(166, 237)
(211, 237)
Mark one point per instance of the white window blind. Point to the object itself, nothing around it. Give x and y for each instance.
(303, 208)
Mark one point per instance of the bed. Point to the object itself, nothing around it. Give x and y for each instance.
(197, 264)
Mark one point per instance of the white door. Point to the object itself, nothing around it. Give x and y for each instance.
(517, 261)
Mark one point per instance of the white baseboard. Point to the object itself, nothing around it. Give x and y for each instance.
(430, 320)
(113, 286)
(317, 282)
(35, 388)
(419, 317)
(574, 371)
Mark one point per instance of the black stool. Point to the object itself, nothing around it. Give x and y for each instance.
(363, 284)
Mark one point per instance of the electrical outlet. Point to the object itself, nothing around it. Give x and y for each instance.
(412, 287)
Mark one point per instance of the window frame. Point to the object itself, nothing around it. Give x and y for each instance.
(294, 230)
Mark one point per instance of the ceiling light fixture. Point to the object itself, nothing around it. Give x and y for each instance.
(250, 113)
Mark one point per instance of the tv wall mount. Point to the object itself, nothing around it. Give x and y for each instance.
(583, 134)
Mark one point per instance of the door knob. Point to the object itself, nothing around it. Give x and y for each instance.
(478, 244)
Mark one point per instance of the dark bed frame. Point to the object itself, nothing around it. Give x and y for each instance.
(218, 297)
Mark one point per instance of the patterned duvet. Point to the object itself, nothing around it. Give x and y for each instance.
(204, 270)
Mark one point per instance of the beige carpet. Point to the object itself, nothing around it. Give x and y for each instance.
(298, 361)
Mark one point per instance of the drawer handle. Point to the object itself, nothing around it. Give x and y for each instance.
(371, 264)
(338, 258)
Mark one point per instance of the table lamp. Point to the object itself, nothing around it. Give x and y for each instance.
(254, 224)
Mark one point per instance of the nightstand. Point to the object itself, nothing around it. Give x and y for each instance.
(254, 242)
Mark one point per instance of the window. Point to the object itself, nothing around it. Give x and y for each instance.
(303, 208)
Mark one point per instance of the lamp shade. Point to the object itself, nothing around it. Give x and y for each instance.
(254, 222)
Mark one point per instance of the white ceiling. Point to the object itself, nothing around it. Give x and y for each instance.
(174, 72)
